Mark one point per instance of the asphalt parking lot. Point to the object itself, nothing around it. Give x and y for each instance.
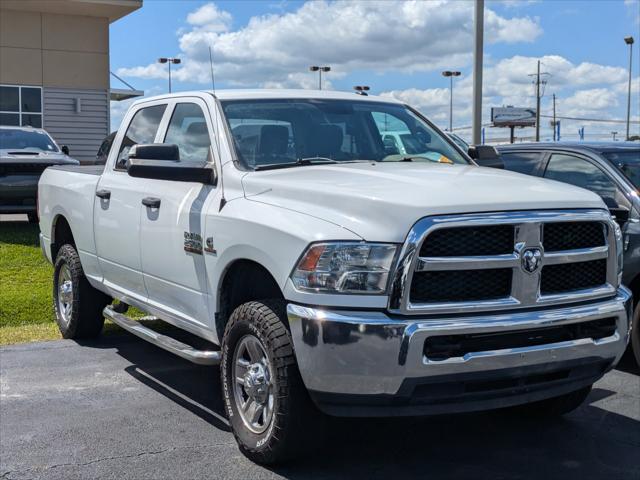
(121, 408)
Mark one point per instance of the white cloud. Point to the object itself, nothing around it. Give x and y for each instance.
(210, 18)
(583, 90)
(276, 49)
(591, 100)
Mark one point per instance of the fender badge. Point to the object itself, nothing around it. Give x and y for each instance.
(209, 246)
(192, 243)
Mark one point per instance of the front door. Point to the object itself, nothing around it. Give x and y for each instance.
(171, 235)
(118, 207)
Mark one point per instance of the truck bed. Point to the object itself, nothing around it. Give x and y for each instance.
(69, 191)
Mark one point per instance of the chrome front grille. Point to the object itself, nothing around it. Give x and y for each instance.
(497, 261)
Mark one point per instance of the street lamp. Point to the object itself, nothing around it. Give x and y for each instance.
(614, 135)
(450, 74)
(316, 68)
(169, 60)
(629, 41)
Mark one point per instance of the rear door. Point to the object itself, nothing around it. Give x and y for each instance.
(118, 205)
(171, 235)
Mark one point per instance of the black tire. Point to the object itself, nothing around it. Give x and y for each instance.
(83, 316)
(32, 217)
(635, 334)
(294, 420)
(557, 406)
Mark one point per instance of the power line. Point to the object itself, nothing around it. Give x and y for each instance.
(604, 120)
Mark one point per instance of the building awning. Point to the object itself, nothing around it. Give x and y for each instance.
(119, 94)
(111, 9)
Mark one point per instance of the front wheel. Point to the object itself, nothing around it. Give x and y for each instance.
(268, 407)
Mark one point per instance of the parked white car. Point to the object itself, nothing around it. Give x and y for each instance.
(333, 277)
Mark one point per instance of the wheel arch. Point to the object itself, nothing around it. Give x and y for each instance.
(61, 234)
(243, 280)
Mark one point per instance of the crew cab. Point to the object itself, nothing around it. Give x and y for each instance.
(330, 275)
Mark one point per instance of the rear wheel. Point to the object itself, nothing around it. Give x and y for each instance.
(268, 407)
(557, 406)
(77, 304)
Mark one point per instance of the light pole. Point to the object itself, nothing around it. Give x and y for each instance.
(316, 68)
(450, 74)
(478, 23)
(169, 60)
(614, 135)
(629, 41)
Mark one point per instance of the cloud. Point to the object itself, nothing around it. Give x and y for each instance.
(583, 90)
(591, 100)
(210, 18)
(275, 49)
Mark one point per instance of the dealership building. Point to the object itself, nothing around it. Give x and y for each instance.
(54, 68)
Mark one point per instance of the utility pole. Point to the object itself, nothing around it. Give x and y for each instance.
(629, 41)
(478, 22)
(538, 82)
(554, 117)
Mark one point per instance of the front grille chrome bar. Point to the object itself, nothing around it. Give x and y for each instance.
(525, 286)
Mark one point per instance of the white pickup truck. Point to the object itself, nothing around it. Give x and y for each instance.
(331, 272)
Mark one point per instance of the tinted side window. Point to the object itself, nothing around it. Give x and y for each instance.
(522, 162)
(188, 130)
(142, 129)
(582, 173)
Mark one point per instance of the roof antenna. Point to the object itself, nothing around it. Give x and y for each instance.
(223, 201)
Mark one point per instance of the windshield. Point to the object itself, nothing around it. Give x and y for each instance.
(280, 132)
(628, 161)
(37, 140)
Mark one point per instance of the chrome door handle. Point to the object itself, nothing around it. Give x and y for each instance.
(103, 194)
(151, 202)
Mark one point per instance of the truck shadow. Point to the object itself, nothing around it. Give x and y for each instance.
(590, 443)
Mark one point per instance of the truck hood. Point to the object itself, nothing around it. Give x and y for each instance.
(381, 201)
(27, 157)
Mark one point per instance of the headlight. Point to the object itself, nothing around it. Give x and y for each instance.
(341, 267)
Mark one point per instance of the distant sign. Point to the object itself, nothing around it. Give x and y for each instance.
(513, 117)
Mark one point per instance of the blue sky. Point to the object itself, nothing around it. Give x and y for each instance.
(398, 48)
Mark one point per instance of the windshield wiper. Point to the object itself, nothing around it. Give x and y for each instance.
(298, 163)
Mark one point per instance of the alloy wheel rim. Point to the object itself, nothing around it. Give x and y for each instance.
(65, 293)
(253, 387)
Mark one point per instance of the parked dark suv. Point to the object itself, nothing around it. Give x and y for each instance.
(24, 154)
(610, 169)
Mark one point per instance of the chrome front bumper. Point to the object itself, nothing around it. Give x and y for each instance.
(368, 363)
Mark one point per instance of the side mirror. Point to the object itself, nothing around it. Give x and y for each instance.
(486, 156)
(620, 215)
(65, 149)
(162, 162)
(155, 151)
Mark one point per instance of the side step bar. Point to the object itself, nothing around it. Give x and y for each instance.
(201, 357)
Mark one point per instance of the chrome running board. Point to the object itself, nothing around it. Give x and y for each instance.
(201, 357)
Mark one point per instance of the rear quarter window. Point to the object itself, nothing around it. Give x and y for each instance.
(522, 162)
